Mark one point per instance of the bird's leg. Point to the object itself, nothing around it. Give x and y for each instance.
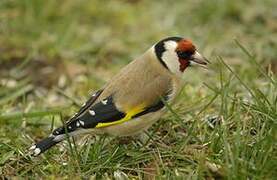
(143, 137)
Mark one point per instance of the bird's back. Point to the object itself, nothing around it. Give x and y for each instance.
(139, 82)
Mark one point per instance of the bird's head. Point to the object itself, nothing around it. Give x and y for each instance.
(176, 54)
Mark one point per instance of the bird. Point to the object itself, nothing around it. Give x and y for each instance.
(135, 98)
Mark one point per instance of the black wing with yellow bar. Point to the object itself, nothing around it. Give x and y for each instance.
(105, 113)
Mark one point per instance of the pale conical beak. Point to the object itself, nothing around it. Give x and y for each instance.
(198, 59)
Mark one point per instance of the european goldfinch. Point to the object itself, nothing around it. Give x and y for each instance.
(135, 98)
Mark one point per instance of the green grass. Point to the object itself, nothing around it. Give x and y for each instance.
(54, 53)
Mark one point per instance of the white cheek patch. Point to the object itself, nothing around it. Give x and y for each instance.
(170, 57)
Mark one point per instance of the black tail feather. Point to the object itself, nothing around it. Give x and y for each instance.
(43, 145)
(59, 134)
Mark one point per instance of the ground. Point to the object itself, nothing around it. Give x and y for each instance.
(53, 54)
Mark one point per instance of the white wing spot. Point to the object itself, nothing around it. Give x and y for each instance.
(94, 95)
(104, 101)
(83, 104)
(82, 123)
(69, 127)
(37, 151)
(77, 124)
(32, 147)
(91, 112)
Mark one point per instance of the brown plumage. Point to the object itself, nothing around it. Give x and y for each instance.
(143, 75)
(150, 81)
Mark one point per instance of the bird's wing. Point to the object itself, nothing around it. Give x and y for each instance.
(84, 107)
(105, 113)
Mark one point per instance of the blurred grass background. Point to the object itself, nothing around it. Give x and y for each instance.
(54, 53)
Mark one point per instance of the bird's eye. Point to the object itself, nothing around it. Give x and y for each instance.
(184, 55)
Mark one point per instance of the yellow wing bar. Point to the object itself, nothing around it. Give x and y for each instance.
(132, 112)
